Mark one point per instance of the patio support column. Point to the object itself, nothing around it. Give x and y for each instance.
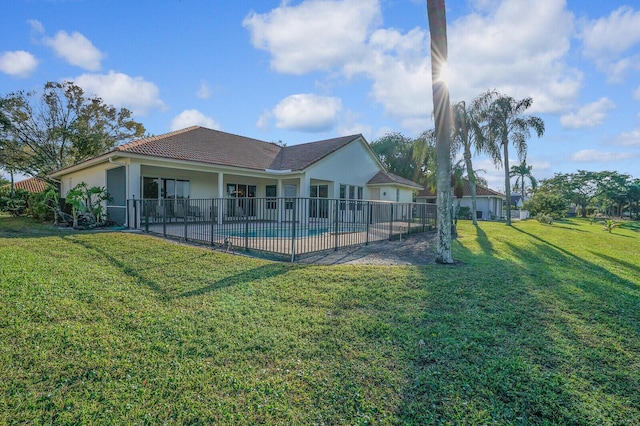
(305, 192)
(134, 179)
(220, 197)
(134, 185)
(280, 195)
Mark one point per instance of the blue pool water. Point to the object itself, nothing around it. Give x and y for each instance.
(287, 232)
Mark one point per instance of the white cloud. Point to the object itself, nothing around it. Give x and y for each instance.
(121, 90)
(594, 156)
(590, 115)
(631, 139)
(193, 117)
(612, 35)
(315, 34)
(264, 121)
(607, 39)
(497, 46)
(204, 92)
(307, 112)
(36, 26)
(521, 54)
(76, 49)
(18, 63)
(351, 126)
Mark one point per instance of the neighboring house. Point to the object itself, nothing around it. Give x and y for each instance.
(517, 201)
(489, 203)
(200, 163)
(31, 184)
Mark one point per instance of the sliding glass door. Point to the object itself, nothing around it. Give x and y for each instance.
(241, 201)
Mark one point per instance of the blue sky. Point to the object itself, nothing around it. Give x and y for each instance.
(298, 71)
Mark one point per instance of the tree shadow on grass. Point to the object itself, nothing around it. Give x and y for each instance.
(260, 273)
(630, 266)
(483, 241)
(525, 347)
(164, 292)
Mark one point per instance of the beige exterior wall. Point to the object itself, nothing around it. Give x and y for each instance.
(92, 176)
(351, 165)
(487, 205)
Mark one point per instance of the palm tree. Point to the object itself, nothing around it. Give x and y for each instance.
(521, 172)
(507, 123)
(442, 115)
(469, 134)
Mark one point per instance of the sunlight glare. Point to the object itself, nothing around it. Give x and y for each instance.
(444, 74)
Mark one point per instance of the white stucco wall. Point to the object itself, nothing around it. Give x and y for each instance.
(488, 206)
(351, 165)
(92, 176)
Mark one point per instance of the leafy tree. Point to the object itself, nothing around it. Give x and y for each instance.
(522, 172)
(442, 114)
(62, 127)
(469, 134)
(577, 188)
(548, 204)
(395, 152)
(612, 189)
(507, 124)
(633, 196)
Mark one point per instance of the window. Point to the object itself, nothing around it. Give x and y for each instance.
(271, 191)
(153, 188)
(398, 194)
(343, 196)
(319, 206)
(241, 202)
(290, 191)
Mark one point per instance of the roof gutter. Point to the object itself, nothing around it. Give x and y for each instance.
(277, 172)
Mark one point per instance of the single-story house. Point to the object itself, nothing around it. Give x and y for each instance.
(32, 184)
(489, 203)
(517, 201)
(200, 163)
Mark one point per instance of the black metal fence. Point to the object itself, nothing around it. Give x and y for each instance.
(284, 227)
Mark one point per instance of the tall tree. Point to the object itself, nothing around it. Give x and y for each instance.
(424, 155)
(395, 152)
(469, 134)
(507, 124)
(442, 115)
(62, 127)
(522, 172)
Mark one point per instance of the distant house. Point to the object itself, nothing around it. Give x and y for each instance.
(200, 163)
(489, 203)
(31, 184)
(517, 201)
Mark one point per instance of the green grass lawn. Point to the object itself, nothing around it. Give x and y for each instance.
(536, 324)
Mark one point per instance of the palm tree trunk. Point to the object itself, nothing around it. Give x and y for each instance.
(472, 184)
(507, 181)
(442, 114)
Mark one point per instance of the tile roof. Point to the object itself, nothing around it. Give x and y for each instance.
(206, 146)
(215, 147)
(481, 191)
(199, 144)
(299, 157)
(32, 184)
(384, 177)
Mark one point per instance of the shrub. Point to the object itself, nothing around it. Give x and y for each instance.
(464, 212)
(547, 219)
(16, 205)
(547, 204)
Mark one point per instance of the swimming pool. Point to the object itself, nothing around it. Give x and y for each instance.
(300, 233)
